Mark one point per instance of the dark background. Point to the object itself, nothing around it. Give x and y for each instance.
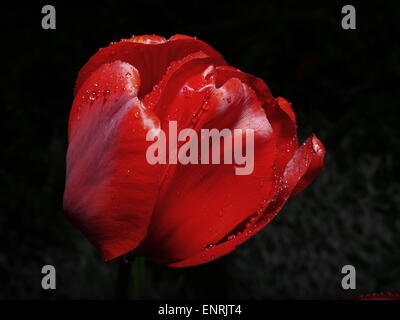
(343, 85)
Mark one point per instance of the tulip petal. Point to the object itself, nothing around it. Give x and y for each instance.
(205, 201)
(150, 55)
(279, 114)
(314, 167)
(283, 122)
(110, 188)
(307, 160)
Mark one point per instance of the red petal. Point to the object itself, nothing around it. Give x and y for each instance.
(110, 188)
(283, 122)
(279, 113)
(150, 55)
(261, 89)
(297, 169)
(184, 221)
(148, 39)
(378, 296)
(315, 166)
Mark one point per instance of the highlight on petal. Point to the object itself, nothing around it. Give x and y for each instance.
(110, 188)
(148, 39)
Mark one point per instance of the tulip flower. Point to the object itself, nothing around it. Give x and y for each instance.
(177, 214)
(378, 296)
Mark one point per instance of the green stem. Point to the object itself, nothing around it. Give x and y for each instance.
(123, 279)
(130, 278)
(139, 276)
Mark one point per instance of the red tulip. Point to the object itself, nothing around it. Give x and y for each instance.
(176, 214)
(378, 296)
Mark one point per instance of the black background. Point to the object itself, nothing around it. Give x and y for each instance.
(343, 85)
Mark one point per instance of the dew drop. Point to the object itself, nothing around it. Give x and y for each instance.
(185, 92)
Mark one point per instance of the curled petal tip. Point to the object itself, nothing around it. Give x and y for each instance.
(317, 145)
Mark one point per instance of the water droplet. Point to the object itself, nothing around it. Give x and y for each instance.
(206, 106)
(128, 75)
(208, 246)
(209, 76)
(194, 118)
(137, 114)
(185, 91)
